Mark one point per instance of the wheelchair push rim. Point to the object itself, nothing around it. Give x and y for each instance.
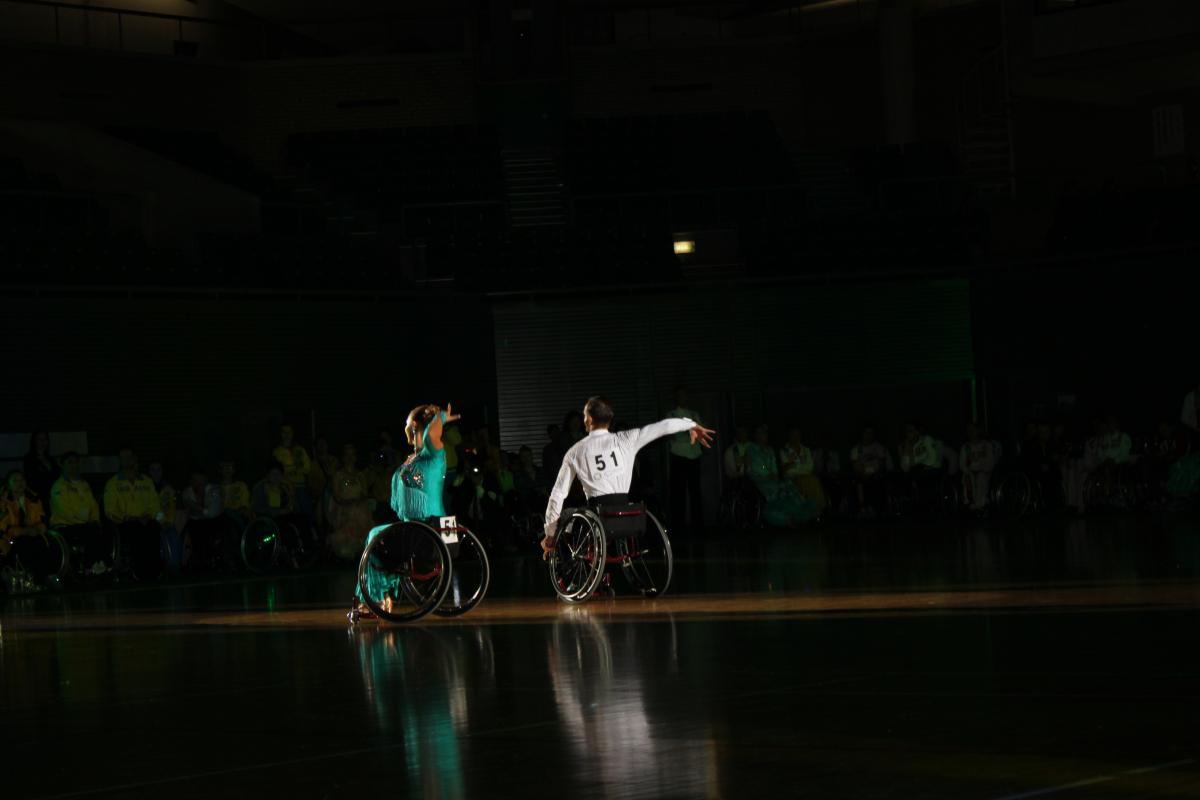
(578, 558)
(647, 560)
(470, 577)
(260, 545)
(405, 572)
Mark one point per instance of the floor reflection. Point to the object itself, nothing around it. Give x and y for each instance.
(417, 685)
(604, 706)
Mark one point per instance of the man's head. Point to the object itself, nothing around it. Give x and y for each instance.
(349, 455)
(227, 471)
(287, 435)
(597, 414)
(155, 470)
(762, 435)
(741, 434)
(868, 435)
(70, 465)
(128, 460)
(275, 476)
(973, 433)
(16, 483)
(912, 432)
(39, 443)
(525, 456)
(794, 438)
(199, 480)
(553, 432)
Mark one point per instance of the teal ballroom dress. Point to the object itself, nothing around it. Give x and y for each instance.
(783, 506)
(417, 488)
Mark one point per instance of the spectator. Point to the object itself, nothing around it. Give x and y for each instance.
(24, 544)
(134, 506)
(235, 496)
(686, 511)
(479, 505)
(552, 453)
(782, 505)
(797, 465)
(349, 507)
(452, 439)
(324, 464)
(296, 465)
(383, 444)
(75, 514)
(1169, 446)
(1077, 470)
(379, 488)
(272, 496)
(978, 460)
(39, 468)
(871, 462)
(527, 483)
(172, 519)
(210, 531)
(921, 462)
(572, 431)
(735, 455)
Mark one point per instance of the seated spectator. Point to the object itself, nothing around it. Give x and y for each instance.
(24, 545)
(479, 507)
(134, 506)
(452, 440)
(978, 460)
(39, 468)
(75, 514)
(212, 534)
(172, 518)
(921, 462)
(870, 462)
(272, 497)
(379, 488)
(324, 464)
(349, 508)
(798, 466)
(1077, 469)
(1166, 451)
(235, 496)
(783, 506)
(735, 455)
(296, 465)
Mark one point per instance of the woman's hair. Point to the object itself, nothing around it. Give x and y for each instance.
(419, 419)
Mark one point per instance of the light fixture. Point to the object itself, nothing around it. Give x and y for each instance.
(684, 247)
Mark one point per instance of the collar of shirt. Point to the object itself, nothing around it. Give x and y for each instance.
(599, 432)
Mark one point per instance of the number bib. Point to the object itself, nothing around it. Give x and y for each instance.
(604, 465)
(448, 528)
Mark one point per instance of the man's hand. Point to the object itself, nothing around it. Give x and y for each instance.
(450, 416)
(547, 547)
(702, 436)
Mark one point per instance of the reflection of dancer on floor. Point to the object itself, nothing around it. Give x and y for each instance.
(603, 461)
(417, 488)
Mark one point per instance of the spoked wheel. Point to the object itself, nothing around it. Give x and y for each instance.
(470, 577)
(301, 545)
(1014, 495)
(577, 561)
(405, 572)
(61, 556)
(260, 545)
(647, 560)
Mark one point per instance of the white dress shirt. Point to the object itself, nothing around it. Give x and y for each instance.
(603, 463)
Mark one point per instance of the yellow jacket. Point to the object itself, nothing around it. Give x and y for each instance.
(72, 503)
(235, 496)
(130, 498)
(295, 464)
(12, 515)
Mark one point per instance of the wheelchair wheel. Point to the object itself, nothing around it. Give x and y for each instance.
(405, 572)
(260, 545)
(470, 577)
(647, 560)
(577, 561)
(60, 555)
(301, 545)
(1014, 494)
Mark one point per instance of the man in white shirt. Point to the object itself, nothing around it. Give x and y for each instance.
(685, 469)
(735, 455)
(603, 461)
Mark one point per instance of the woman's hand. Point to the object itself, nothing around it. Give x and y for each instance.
(702, 436)
(450, 415)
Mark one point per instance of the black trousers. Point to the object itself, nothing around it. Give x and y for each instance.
(90, 541)
(686, 511)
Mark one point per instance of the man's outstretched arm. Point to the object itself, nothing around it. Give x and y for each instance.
(668, 427)
(562, 487)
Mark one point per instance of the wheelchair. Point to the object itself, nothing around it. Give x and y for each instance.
(741, 505)
(610, 532)
(145, 560)
(1115, 487)
(18, 580)
(267, 543)
(411, 569)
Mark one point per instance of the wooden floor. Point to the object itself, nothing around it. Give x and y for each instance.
(985, 663)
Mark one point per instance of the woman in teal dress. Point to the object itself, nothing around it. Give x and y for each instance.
(783, 506)
(417, 487)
